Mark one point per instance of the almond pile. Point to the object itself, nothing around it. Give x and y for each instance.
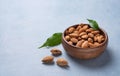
(50, 59)
(84, 36)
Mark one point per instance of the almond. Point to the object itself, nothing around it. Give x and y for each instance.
(71, 29)
(48, 59)
(85, 44)
(70, 43)
(74, 40)
(67, 38)
(82, 33)
(56, 52)
(79, 43)
(90, 35)
(90, 40)
(73, 35)
(84, 36)
(62, 62)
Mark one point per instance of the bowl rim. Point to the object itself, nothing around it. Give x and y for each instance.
(102, 44)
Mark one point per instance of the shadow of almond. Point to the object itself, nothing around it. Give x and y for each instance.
(104, 60)
(65, 67)
(49, 64)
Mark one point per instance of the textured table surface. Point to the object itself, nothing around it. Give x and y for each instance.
(26, 24)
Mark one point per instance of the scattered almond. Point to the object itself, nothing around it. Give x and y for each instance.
(62, 62)
(56, 52)
(48, 59)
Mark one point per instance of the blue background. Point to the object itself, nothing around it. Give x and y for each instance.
(26, 24)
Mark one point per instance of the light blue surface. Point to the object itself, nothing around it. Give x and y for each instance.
(26, 24)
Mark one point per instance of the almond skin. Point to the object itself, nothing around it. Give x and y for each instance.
(90, 40)
(67, 37)
(70, 43)
(71, 29)
(79, 43)
(85, 27)
(62, 62)
(48, 59)
(85, 44)
(74, 40)
(84, 36)
(90, 35)
(73, 35)
(82, 33)
(56, 52)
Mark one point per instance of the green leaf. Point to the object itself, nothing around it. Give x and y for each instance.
(54, 40)
(93, 24)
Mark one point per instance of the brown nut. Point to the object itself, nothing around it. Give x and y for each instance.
(90, 35)
(70, 43)
(73, 35)
(95, 32)
(82, 33)
(67, 37)
(85, 27)
(96, 44)
(48, 59)
(84, 36)
(78, 27)
(56, 52)
(76, 32)
(91, 45)
(81, 30)
(74, 40)
(62, 62)
(89, 30)
(79, 43)
(85, 44)
(90, 40)
(100, 38)
(71, 29)
(95, 38)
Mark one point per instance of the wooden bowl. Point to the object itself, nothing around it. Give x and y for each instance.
(84, 53)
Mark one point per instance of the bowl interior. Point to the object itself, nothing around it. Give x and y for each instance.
(82, 49)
